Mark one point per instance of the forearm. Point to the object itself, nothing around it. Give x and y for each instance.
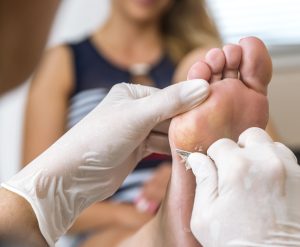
(104, 215)
(90, 219)
(150, 235)
(98, 216)
(18, 223)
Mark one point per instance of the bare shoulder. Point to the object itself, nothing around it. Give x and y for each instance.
(55, 70)
(60, 52)
(189, 59)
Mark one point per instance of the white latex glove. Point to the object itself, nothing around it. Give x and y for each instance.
(248, 194)
(90, 162)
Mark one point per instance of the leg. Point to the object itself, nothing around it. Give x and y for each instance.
(220, 116)
(239, 75)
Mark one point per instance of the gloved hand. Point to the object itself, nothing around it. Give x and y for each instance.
(247, 194)
(91, 161)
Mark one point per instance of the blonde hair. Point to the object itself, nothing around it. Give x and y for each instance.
(187, 26)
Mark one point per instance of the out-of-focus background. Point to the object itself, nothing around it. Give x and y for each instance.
(277, 22)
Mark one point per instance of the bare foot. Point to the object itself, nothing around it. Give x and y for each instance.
(239, 76)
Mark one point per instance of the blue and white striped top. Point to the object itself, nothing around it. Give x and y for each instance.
(94, 77)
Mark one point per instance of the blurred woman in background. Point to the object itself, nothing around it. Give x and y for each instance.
(150, 42)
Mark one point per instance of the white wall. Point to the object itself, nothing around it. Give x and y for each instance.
(284, 96)
(77, 18)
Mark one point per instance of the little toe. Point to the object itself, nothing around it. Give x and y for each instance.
(256, 65)
(215, 58)
(199, 70)
(233, 55)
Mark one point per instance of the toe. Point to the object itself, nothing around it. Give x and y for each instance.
(256, 65)
(215, 58)
(233, 56)
(199, 70)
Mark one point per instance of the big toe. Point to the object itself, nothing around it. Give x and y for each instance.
(256, 64)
